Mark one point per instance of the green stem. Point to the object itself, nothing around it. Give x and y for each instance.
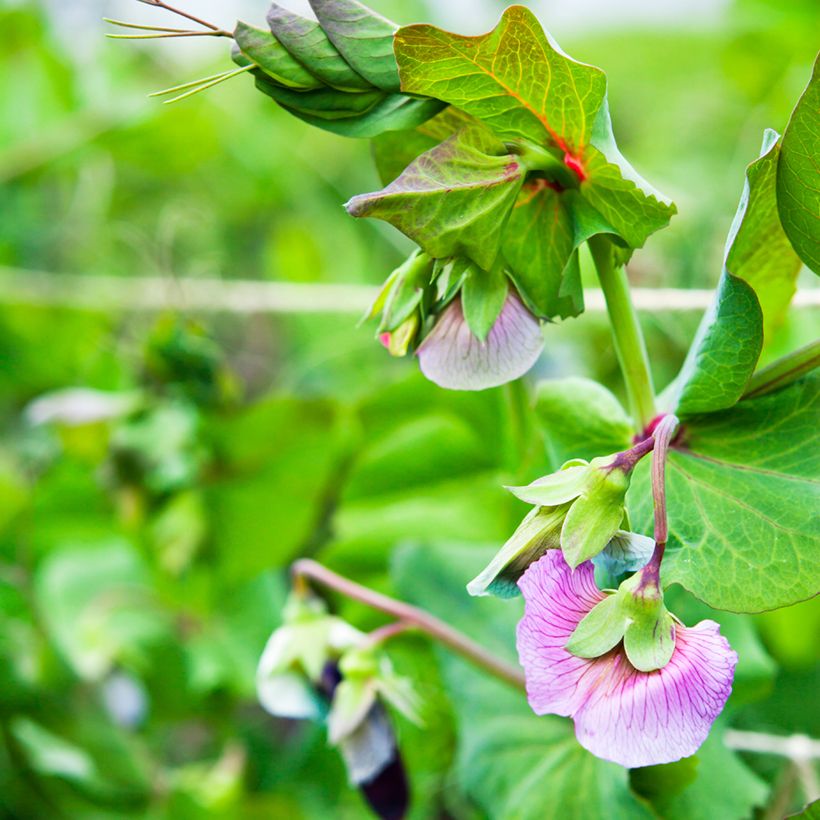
(629, 342)
(408, 615)
(784, 371)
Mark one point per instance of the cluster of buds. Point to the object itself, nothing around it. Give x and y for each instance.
(318, 667)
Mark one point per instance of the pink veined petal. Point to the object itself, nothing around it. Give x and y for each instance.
(453, 358)
(623, 715)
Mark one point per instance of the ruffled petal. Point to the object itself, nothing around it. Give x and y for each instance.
(629, 717)
(453, 358)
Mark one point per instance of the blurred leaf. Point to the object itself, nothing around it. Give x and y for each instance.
(797, 199)
(581, 419)
(280, 459)
(97, 605)
(721, 785)
(52, 756)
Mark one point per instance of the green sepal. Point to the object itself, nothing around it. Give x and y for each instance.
(353, 699)
(306, 42)
(262, 48)
(557, 488)
(403, 291)
(649, 641)
(363, 38)
(602, 629)
(482, 298)
(596, 515)
(539, 531)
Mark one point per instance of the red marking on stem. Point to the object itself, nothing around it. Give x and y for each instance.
(385, 340)
(575, 165)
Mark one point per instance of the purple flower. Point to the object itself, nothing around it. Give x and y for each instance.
(623, 715)
(452, 357)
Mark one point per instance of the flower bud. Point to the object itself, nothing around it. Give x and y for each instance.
(296, 654)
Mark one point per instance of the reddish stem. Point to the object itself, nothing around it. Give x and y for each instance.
(664, 433)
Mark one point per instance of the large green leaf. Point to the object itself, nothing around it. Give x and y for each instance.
(798, 190)
(525, 90)
(515, 765)
(512, 79)
(454, 200)
(364, 38)
(743, 487)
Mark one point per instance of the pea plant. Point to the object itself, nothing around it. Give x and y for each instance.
(499, 161)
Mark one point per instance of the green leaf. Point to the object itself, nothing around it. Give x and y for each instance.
(516, 82)
(363, 38)
(539, 244)
(512, 79)
(391, 112)
(742, 494)
(758, 250)
(305, 40)
(482, 298)
(581, 419)
(511, 762)
(627, 202)
(321, 103)
(723, 354)
(469, 175)
(273, 58)
(393, 151)
(278, 459)
(798, 193)
(755, 289)
(717, 784)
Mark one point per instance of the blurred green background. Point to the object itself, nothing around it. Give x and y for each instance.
(145, 530)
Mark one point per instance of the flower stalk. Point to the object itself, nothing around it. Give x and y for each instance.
(663, 436)
(306, 569)
(630, 347)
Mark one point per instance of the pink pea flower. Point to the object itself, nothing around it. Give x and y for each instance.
(629, 717)
(452, 357)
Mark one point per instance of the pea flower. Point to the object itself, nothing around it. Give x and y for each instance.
(468, 327)
(621, 714)
(579, 509)
(316, 666)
